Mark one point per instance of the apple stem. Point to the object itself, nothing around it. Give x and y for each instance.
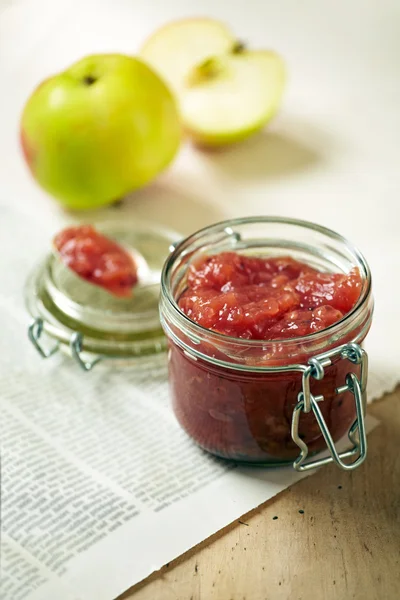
(238, 47)
(89, 80)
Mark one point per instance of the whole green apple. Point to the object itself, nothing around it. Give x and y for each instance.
(105, 126)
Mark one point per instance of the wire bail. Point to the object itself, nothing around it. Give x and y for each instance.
(35, 332)
(307, 402)
(76, 346)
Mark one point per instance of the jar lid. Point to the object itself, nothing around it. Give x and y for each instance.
(89, 322)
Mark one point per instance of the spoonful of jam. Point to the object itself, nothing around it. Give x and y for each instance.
(97, 259)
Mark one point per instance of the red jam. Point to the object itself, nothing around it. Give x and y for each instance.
(97, 259)
(246, 415)
(266, 298)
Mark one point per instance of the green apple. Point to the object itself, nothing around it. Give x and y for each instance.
(225, 91)
(105, 126)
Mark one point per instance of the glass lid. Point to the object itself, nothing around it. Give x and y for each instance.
(87, 319)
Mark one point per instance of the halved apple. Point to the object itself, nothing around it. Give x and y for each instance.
(225, 91)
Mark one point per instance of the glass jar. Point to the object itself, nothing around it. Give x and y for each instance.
(261, 401)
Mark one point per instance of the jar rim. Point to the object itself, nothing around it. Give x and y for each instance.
(227, 226)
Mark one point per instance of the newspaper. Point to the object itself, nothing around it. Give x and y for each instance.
(101, 487)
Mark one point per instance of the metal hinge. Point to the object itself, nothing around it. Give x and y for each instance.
(35, 331)
(307, 402)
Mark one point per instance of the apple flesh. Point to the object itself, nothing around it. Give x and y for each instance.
(225, 91)
(176, 47)
(239, 98)
(100, 129)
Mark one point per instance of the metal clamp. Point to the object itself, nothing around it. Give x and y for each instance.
(307, 402)
(76, 345)
(35, 331)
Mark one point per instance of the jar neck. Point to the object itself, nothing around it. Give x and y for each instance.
(263, 236)
(261, 355)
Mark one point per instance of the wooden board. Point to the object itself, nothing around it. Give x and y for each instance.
(346, 543)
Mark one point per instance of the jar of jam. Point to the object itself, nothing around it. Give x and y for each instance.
(265, 319)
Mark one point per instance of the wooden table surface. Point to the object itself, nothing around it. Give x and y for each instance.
(345, 545)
